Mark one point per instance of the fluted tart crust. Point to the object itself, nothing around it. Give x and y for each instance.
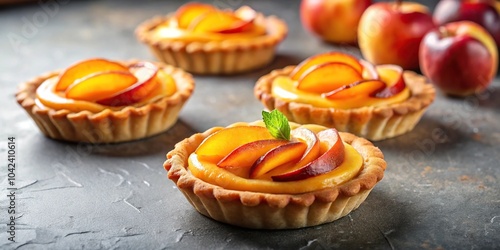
(275, 211)
(374, 123)
(112, 124)
(215, 57)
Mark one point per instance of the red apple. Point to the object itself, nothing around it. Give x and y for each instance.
(331, 159)
(460, 58)
(333, 20)
(483, 13)
(390, 33)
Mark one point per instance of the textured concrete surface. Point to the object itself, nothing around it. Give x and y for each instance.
(441, 188)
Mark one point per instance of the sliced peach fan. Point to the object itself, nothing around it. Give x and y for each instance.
(264, 203)
(190, 11)
(204, 18)
(333, 71)
(324, 58)
(89, 84)
(198, 22)
(202, 39)
(340, 80)
(71, 104)
(308, 161)
(239, 156)
(85, 68)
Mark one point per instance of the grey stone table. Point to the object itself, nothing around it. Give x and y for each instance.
(441, 188)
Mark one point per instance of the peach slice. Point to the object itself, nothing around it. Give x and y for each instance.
(165, 87)
(246, 13)
(168, 83)
(369, 70)
(332, 158)
(145, 72)
(361, 88)
(392, 75)
(244, 156)
(84, 68)
(238, 27)
(215, 147)
(312, 152)
(219, 22)
(100, 85)
(327, 77)
(191, 11)
(284, 154)
(304, 66)
(313, 144)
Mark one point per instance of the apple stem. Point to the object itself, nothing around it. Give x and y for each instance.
(444, 32)
(398, 3)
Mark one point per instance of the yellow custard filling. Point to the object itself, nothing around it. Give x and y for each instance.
(209, 171)
(283, 87)
(213, 174)
(171, 32)
(48, 97)
(204, 23)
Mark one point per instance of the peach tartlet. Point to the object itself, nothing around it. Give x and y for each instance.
(103, 101)
(203, 39)
(267, 178)
(340, 91)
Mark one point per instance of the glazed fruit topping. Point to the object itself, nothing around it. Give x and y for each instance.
(356, 89)
(200, 17)
(146, 81)
(337, 75)
(107, 82)
(392, 76)
(84, 68)
(97, 86)
(329, 75)
(190, 11)
(253, 152)
(324, 58)
(329, 160)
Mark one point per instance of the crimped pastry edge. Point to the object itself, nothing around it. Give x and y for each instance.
(275, 211)
(225, 57)
(108, 126)
(373, 123)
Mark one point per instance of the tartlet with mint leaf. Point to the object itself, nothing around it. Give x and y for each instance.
(274, 174)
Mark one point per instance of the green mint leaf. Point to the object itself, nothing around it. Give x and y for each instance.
(277, 124)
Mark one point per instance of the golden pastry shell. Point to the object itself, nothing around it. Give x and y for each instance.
(108, 126)
(215, 57)
(373, 123)
(274, 211)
